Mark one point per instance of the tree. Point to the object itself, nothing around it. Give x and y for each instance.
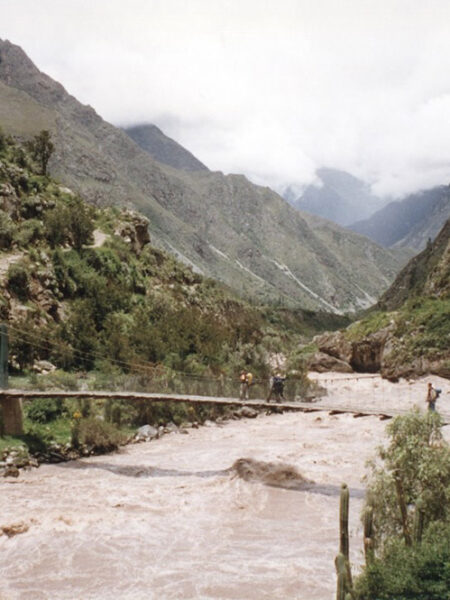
(42, 148)
(409, 497)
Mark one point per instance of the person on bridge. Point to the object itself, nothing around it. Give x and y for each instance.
(432, 396)
(245, 379)
(277, 388)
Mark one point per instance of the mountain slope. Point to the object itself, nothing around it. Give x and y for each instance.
(340, 197)
(407, 334)
(224, 226)
(409, 222)
(163, 149)
(427, 274)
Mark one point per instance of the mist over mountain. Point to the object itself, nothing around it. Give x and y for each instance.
(223, 226)
(410, 222)
(337, 196)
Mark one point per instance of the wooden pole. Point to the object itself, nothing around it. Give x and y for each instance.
(3, 356)
(12, 417)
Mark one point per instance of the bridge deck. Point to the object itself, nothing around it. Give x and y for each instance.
(158, 397)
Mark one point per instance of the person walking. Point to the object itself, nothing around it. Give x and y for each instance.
(245, 379)
(432, 396)
(277, 388)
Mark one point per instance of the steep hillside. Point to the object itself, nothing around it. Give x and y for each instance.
(84, 287)
(340, 197)
(410, 222)
(225, 227)
(163, 149)
(408, 332)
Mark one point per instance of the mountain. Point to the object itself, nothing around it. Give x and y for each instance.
(338, 196)
(427, 274)
(223, 226)
(163, 149)
(410, 222)
(407, 333)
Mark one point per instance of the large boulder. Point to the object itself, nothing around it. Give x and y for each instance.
(334, 344)
(134, 230)
(367, 354)
(322, 362)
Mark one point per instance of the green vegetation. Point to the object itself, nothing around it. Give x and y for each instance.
(122, 306)
(41, 148)
(409, 498)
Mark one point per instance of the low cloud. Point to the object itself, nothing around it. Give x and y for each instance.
(270, 89)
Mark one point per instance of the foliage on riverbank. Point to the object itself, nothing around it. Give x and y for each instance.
(407, 548)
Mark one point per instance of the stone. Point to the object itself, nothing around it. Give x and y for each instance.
(322, 362)
(335, 344)
(147, 432)
(246, 412)
(43, 366)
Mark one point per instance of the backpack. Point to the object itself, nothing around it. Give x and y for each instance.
(277, 383)
(249, 378)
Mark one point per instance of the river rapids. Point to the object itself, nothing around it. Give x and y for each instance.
(246, 510)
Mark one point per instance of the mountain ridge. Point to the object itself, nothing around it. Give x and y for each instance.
(337, 196)
(225, 227)
(408, 222)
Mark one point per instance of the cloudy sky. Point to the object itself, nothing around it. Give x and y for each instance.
(270, 88)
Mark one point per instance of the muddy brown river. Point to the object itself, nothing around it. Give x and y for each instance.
(170, 519)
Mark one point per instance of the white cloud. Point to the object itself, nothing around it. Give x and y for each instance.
(273, 88)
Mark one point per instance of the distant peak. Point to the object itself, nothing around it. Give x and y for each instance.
(163, 148)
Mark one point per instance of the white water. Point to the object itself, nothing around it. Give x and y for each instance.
(168, 520)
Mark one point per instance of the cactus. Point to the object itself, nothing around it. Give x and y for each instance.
(368, 534)
(343, 521)
(345, 583)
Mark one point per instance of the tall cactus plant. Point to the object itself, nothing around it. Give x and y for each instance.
(342, 562)
(368, 534)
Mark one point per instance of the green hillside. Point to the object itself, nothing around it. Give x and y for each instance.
(84, 288)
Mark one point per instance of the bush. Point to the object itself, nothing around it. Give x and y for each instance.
(7, 230)
(44, 410)
(18, 280)
(418, 573)
(36, 440)
(29, 232)
(99, 436)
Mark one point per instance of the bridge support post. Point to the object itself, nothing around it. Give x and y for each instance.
(12, 416)
(11, 422)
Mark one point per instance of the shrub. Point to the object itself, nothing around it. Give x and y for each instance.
(99, 436)
(36, 440)
(44, 410)
(18, 280)
(7, 229)
(29, 232)
(418, 573)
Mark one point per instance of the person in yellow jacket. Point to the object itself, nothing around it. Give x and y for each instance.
(245, 380)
